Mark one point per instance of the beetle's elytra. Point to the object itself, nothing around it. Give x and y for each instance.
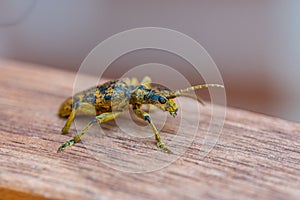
(110, 99)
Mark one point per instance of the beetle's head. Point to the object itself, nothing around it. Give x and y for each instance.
(164, 102)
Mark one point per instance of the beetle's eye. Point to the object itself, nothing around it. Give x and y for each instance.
(162, 100)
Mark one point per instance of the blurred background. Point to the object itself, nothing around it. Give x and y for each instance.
(255, 44)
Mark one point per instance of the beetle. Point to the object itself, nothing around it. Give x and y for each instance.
(110, 99)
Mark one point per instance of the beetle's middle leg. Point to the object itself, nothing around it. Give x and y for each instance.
(104, 117)
(146, 116)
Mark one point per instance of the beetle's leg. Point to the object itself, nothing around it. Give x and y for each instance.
(81, 108)
(104, 117)
(146, 82)
(145, 116)
(134, 82)
(68, 123)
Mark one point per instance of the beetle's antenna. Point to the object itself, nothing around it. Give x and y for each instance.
(182, 92)
(193, 96)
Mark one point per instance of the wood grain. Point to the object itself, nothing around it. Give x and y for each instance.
(256, 157)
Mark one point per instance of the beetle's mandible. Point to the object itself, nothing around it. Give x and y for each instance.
(110, 99)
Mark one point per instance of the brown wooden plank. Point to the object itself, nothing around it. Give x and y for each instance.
(256, 156)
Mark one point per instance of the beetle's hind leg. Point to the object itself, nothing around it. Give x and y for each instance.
(80, 108)
(68, 123)
(98, 119)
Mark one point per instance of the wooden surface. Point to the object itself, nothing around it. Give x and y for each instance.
(256, 157)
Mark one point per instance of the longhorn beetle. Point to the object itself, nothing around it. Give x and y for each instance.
(112, 98)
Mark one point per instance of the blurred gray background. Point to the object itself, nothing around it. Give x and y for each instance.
(254, 43)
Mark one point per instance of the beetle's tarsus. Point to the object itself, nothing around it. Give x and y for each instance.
(163, 147)
(65, 145)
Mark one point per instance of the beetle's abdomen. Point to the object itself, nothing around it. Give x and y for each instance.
(84, 97)
(65, 108)
(108, 97)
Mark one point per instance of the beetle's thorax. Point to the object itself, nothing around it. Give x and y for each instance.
(142, 95)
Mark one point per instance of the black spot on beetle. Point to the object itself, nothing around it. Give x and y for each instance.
(154, 97)
(141, 87)
(102, 89)
(107, 97)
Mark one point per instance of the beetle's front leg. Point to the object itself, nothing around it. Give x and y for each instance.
(146, 116)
